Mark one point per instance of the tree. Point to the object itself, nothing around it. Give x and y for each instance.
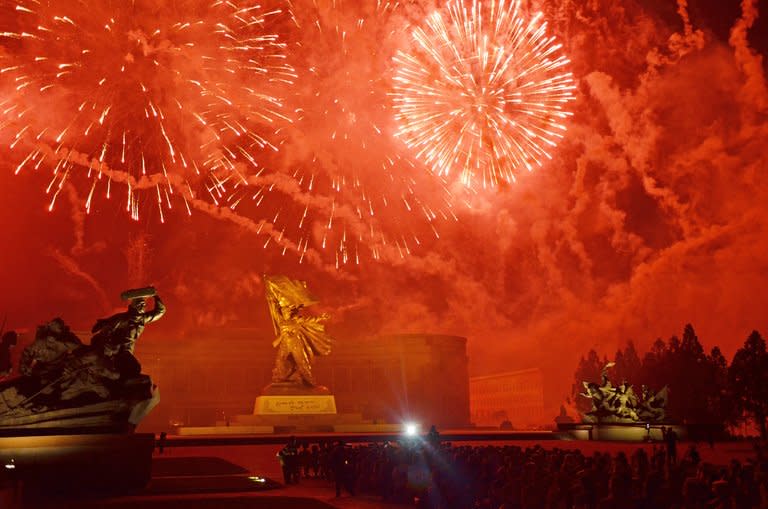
(721, 402)
(651, 367)
(698, 383)
(748, 380)
(690, 344)
(628, 365)
(686, 370)
(658, 349)
(674, 346)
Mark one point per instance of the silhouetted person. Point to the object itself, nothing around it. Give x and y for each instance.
(9, 341)
(671, 439)
(289, 461)
(161, 442)
(325, 459)
(721, 492)
(387, 466)
(693, 455)
(433, 437)
(341, 468)
(305, 459)
(314, 458)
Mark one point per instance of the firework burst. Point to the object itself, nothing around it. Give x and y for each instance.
(483, 92)
(156, 96)
(342, 190)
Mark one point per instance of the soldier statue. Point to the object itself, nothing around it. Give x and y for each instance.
(65, 383)
(117, 335)
(299, 338)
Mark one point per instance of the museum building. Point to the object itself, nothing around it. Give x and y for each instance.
(514, 397)
(217, 375)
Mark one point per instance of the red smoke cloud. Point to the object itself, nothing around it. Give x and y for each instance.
(652, 214)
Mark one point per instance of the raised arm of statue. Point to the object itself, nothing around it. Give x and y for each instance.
(157, 312)
(605, 381)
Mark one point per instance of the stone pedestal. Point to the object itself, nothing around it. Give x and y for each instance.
(295, 405)
(619, 432)
(290, 398)
(288, 408)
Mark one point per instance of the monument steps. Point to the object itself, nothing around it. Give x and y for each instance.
(287, 424)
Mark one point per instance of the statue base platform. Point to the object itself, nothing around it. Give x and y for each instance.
(619, 431)
(250, 424)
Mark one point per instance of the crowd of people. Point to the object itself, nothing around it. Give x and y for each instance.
(430, 474)
(327, 460)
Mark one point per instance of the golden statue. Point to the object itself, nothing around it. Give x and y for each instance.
(299, 338)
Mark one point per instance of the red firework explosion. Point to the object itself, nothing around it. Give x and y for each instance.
(483, 92)
(343, 190)
(152, 95)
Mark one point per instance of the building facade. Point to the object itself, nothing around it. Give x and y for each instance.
(515, 396)
(218, 374)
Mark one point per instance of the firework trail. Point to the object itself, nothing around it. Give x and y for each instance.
(483, 92)
(141, 92)
(341, 188)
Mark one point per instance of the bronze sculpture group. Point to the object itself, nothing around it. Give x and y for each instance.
(620, 404)
(62, 382)
(65, 383)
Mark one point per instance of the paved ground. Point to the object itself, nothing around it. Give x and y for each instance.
(247, 477)
(242, 476)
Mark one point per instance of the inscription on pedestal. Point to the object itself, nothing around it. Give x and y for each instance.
(294, 405)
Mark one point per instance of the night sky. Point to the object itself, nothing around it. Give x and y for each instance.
(652, 213)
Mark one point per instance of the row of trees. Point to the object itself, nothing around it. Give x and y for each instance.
(703, 387)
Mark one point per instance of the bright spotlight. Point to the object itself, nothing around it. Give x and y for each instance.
(411, 429)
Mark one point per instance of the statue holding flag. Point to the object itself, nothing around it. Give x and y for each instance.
(299, 338)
